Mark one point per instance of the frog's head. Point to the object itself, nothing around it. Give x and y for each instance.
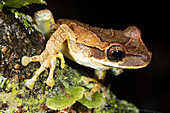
(125, 50)
(130, 55)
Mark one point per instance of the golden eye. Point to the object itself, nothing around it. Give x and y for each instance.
(115, 53)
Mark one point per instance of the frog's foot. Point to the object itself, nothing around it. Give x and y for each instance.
(46, 61)
(43, 59)
(96, 87)
(88, 95)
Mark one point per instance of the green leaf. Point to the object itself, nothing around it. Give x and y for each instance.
(97, 99)
(20, 3)
(61, 100)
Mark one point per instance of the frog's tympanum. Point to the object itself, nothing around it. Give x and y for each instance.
(98, 48)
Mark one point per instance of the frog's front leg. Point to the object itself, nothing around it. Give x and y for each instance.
(49, 55)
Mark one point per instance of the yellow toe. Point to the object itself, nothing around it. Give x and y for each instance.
(62, 65)
(88, 96)
(25, 60)
(30, 83)
(50, 82)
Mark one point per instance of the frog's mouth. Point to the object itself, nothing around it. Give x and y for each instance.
(135, 62)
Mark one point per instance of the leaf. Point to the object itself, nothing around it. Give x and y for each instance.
(97, 99)
(60, 101)
(20, 3)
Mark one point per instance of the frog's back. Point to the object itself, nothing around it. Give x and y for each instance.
(94, 36)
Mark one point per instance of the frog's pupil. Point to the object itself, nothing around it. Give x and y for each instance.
(117, 54)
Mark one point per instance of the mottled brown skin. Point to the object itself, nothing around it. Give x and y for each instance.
(100, 39)
(91, 47)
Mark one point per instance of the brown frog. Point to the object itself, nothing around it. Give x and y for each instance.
(98, 48)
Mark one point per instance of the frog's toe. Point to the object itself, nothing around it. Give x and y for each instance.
(62, 65)
(25, 60)
(61, 57)
(88, 95)
(30, 83)
(86, 80)
(116, 71)
(50, 82)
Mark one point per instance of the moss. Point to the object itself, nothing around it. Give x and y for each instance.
(16, 41)
(16, 96)
(114, 105)
(63, 100)
(24, 19)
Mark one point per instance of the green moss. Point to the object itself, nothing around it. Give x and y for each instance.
(26, 20)
(16, 96)
(63, 100)
(114, 105)
(2, 81)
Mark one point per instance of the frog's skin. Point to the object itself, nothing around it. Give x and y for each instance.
(98, 48)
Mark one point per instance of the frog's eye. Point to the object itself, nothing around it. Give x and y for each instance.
(115, 53)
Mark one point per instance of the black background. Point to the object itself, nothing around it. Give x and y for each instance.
(148, 88)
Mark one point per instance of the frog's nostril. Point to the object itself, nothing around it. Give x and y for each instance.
(144, 57)
(147, 57)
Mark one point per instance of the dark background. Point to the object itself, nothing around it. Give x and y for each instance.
(147, 88)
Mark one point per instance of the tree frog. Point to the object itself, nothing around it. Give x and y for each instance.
(98, 48)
